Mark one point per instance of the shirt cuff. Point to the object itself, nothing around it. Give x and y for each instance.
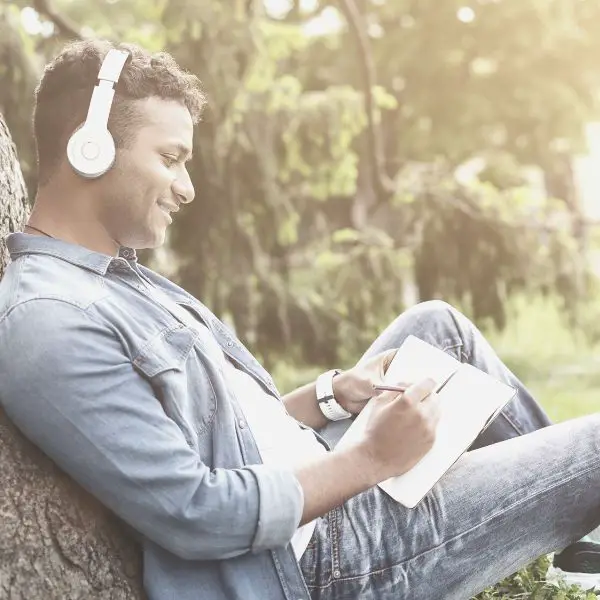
(281, 503)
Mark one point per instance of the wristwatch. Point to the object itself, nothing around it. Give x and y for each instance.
(326, 399)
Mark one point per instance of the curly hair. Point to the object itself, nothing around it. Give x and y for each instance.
(63, 95)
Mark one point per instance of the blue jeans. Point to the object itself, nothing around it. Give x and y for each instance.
(512, 498)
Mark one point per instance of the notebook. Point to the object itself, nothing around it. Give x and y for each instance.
(469, 401)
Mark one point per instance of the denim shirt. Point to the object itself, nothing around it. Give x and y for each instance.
(129, 400)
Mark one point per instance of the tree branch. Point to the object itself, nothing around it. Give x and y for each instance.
(64, 26)
(383, 186)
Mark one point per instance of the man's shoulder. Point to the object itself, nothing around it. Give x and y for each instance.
(34, 281)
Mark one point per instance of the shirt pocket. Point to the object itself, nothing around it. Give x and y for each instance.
(174, 368)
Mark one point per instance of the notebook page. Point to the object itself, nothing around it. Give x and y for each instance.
(415, 360)
(467, 402)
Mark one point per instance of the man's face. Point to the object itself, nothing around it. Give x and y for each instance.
(149, 179)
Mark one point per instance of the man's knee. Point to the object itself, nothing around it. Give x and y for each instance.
(434, 310)
(435, 321)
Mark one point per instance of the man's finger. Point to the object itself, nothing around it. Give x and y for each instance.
(431, 408)
(419, 391)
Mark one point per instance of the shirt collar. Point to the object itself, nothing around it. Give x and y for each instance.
(21, 243)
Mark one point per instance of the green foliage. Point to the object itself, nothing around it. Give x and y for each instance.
(529, 584)
(17, 77)
(478, 244)
(282, 164)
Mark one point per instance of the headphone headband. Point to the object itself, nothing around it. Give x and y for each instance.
(112, 65)
(102, 97)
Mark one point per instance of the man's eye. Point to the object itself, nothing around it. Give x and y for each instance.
(169, 160)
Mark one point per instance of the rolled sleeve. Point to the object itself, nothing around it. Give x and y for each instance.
(68, 384)
(281, 502)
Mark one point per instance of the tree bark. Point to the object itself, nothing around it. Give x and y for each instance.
(56, 541)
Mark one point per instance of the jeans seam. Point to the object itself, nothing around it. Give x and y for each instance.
(453, 347)
(334, 518)
(456, 537)
(511, 422)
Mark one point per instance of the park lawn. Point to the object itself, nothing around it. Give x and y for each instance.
(566, 386)
(568, 396)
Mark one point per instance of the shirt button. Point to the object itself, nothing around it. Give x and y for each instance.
(242, 424)
(230, 344)
(337, 574)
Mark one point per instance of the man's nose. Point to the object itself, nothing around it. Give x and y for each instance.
(183, 187)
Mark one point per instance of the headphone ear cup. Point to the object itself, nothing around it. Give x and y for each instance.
(91, 152)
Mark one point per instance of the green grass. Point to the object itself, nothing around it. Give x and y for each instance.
(529, 583)
(559, 367)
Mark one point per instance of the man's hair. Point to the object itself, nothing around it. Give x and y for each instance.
(63, 96)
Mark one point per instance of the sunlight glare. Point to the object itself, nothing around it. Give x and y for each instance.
(33, 25)
(278, 8)
(328, 22)
(466, 14)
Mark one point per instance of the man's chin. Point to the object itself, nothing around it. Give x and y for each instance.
(150, 242)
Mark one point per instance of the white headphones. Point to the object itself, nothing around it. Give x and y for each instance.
(91, 149)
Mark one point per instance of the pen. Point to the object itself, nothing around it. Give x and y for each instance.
(389, 388)
(398, 388)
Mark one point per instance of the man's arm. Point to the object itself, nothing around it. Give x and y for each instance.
(68, 385)
(303, 406)
(352, 389)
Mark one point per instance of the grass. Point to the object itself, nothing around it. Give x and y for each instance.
(529, 583)
(559, 367)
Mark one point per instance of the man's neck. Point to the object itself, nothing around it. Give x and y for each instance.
(80, 228)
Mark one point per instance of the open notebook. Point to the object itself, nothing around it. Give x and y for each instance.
(469, 401)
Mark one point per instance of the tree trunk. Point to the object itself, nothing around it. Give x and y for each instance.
(56, 541)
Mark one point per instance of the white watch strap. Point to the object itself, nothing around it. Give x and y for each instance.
(326, 399)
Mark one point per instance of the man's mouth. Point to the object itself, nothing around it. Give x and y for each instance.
(168, 208)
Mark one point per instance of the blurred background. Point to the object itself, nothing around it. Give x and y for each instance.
(358, 156)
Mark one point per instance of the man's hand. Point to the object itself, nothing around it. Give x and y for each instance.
(401, 429)
(399, 432)
(354, 388)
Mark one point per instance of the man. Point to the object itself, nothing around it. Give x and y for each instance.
(144, 397)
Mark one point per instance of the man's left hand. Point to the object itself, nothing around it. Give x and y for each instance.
(354, 388)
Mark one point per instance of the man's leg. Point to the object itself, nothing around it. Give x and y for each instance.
(441, 325)
(496, 510)
(444, 327)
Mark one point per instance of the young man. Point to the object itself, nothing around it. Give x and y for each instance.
(145, 398)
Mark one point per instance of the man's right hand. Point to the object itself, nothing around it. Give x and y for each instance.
(399, 432)
(401, 429)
